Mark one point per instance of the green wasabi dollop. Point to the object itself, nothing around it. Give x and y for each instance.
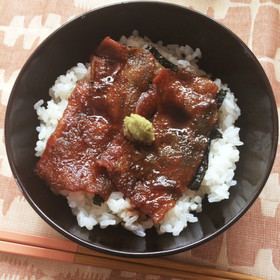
(139, 129)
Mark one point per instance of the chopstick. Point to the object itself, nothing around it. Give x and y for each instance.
(34, 251)
(105, 262)
(68, 251)
(114, 263)
(163, 263)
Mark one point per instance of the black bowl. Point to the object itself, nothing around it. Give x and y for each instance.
(224, 55)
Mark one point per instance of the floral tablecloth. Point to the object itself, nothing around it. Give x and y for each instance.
(251, 246)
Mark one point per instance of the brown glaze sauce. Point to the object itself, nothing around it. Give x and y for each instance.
(89, 152)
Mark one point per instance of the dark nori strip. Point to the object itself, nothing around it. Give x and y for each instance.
(161, 59)
(221, 96)
(97, 200)
(200, 173)
(215, 133)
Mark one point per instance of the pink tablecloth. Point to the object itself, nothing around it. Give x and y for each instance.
(251, 246)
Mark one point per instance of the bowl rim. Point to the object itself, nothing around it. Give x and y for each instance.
(121, 253)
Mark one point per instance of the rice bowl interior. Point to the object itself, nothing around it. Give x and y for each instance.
(118, 209)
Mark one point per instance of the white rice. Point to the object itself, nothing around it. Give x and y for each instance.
(222, 157)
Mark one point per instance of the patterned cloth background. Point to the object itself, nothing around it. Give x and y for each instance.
(251, 246)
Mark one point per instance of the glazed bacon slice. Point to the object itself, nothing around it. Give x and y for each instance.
(155, 176)
(116, 87)
(187, 113)
(69, 160)
(93, 117)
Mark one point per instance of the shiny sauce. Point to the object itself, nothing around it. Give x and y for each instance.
(89, 152)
